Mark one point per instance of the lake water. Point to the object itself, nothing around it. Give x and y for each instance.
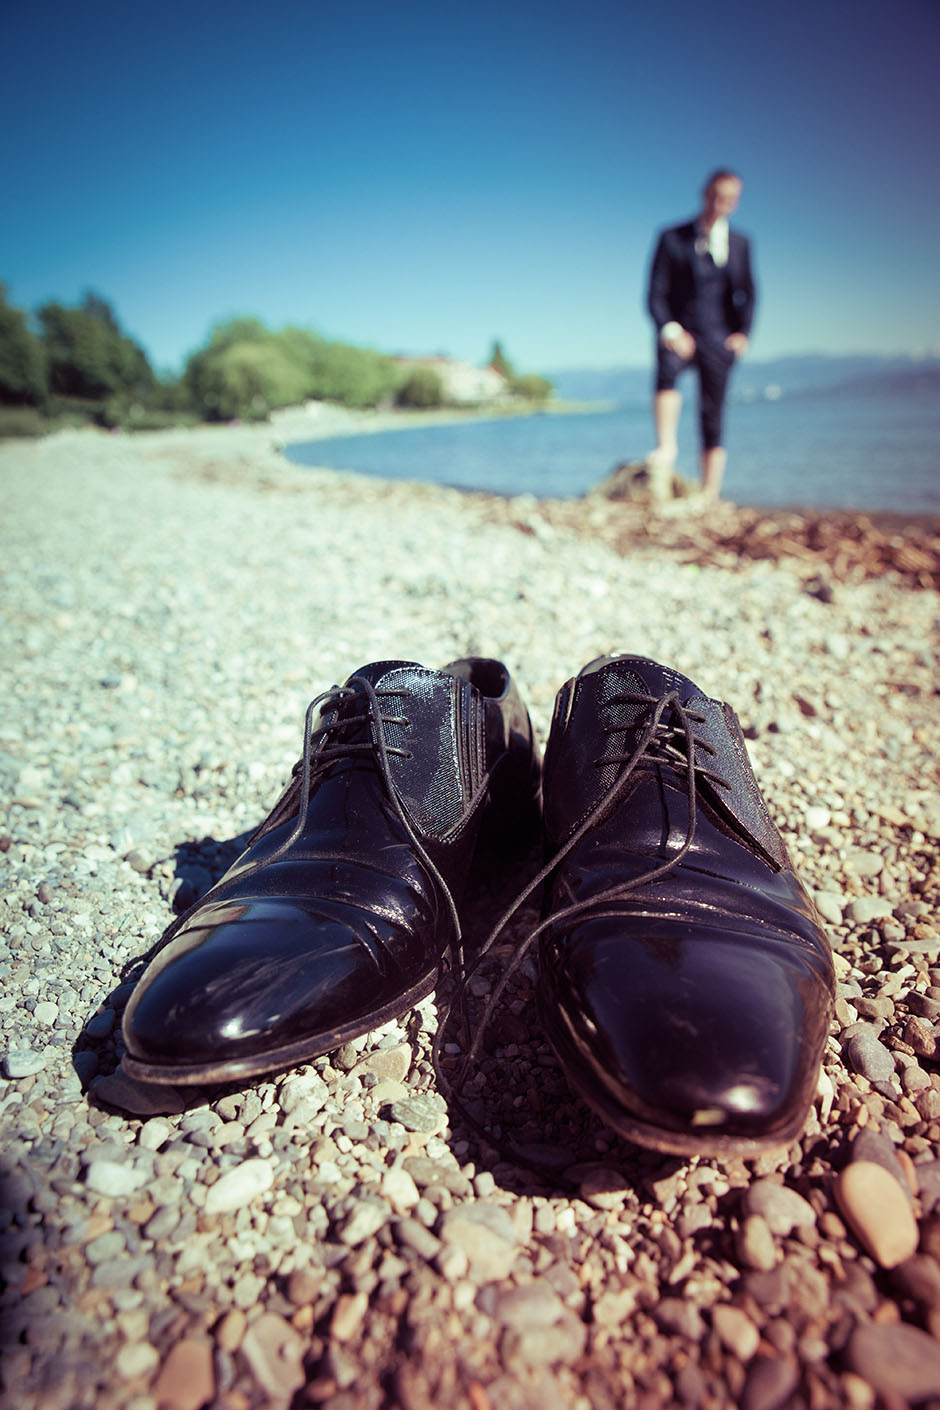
(842, 449)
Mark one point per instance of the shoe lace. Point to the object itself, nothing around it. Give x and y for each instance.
(324, 746)
(668, 738)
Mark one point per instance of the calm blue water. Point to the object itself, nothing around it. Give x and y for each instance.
(838, 450)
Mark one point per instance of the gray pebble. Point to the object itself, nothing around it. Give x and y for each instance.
(782, 1209)
(869, 1056)
(865, 909)
(23, 1062)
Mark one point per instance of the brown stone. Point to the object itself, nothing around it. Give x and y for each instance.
(877, 1209)
(186, 1380)
(900, 1361)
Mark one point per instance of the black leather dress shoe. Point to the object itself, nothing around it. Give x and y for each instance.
(685, 980)
(338, 915)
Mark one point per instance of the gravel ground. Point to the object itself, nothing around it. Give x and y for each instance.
(333, 1236)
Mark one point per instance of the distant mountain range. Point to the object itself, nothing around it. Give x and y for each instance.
(800, 375)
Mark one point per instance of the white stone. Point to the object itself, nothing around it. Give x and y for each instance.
(239, 1186)
(154, 1133)
(136, 1359)
(399, 1189)
(23, 1062)
(109, 1177)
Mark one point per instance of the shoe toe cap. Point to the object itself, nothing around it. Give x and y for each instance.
(698, 1033)
(250, 978)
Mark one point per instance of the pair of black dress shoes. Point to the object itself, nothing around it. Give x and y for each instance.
(685, 981)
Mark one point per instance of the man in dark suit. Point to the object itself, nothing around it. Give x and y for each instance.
(701, 298)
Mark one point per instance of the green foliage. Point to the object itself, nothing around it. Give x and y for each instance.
(500, 362)
(421, 388)
(246, 370)
(22, 362)
(531, 387)
(244, 377)
(353, 376)
(87, 354)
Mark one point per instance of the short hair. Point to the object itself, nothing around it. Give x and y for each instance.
(722, 173)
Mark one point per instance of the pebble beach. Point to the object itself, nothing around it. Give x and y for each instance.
(335, 1236)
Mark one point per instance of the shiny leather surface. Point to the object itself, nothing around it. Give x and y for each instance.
(308, 941)
(692, 1012)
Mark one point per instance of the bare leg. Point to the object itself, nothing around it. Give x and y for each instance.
(666, 409)
(660, 462)
(713, 469)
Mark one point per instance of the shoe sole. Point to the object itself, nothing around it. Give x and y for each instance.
(644, 1133)
(194, 1074)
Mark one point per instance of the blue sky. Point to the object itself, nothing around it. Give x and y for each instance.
(427, 177)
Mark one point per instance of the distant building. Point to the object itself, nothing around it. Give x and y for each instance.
(461, 381)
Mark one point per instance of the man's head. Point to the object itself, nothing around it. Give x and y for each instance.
(721, 195)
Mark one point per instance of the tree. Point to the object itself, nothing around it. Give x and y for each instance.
(87, 354)
(421, 388)
(499, 361)
(531, 387)
(22, 363)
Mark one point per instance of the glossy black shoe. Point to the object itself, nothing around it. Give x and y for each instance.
(685, 979)
(339, 913)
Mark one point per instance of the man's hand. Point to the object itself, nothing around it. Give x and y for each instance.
(737, 343)
(681, 342)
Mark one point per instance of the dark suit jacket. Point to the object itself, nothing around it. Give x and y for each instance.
(672, 289)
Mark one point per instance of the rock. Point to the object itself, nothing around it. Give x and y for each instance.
(486, 1234)
(876, 1147)
(186, 1380)
(600, 1186)
(817, 817)
(274, 1351)
(867, 1055)
(830, 905)
(304, 1087)
(391, 1063)
(231, 1330)
(535, 1305)
(771, 1380)
(414, 1235)
(900, 1361)
(918, 1278)
(924, 1006)
(136, 1359)
(919, 1035)
(22, 1062)
(348, 1313)
(154, 1133)
(865, 909)
(239, 1186)
(46, 1013)
(878, 1211)
(303, 1286)
(680, 1316)
(736, 1331)
(365, 1220)
(782, 1209)
(108, 1177)
(755, 1244)
(400, 1190)
(865, 863)
(422, 1112)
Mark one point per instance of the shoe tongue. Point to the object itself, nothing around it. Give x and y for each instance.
(378, 670)
(639, 673)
